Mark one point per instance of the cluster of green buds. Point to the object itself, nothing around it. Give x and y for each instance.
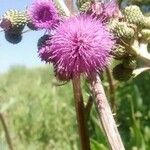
(132, 33)
(13, 23)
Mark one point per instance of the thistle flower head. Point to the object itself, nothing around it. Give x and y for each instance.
(111, 9)
(81, 44)
(44, 44)
(105, 10)
(43, 14)
(13, 21)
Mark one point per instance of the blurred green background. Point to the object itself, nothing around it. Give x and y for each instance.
(41, 115)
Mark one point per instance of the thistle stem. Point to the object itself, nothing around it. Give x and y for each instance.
(105, 114)
(111, 89)
(88, 107)
(79, 105)
(63, 6)
(70, 5)
(8, 139)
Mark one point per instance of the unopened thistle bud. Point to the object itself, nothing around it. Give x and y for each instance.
(123, 31)
(134, 15)
(112, 24)
(119, 52)
(121, 73)
(81, 3)
(14, 21)
(85, 6)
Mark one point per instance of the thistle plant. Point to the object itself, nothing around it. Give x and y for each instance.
(84, 44)
(132, 34)
(13, 23)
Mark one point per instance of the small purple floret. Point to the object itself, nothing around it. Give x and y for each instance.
(105, 10)
(81, 44)
(43, 14)
(111, 9)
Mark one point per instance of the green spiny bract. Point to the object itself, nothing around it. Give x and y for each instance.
(121, 73)
(129, 63)
(119, 52)
(16, 19)
(133, 15)
(112, 24)
(85, 6)
(146, 35)
(123, 31)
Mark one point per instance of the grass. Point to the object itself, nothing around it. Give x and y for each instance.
(41, 116)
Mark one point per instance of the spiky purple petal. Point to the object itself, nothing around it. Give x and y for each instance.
(111, 9)
(105, 10)
(81, 44)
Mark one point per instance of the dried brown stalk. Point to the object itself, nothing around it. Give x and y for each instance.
(105, 114)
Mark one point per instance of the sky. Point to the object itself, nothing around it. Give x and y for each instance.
(24, 53)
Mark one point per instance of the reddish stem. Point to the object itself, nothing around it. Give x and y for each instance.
(82, 125)
(105, 114)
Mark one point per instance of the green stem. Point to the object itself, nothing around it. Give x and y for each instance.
(79, 105)
(111, 89)
(88, 107)
(63, 7)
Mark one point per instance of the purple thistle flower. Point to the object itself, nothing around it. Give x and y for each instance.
(105, 10)
(111, 9)
(44, 44)
(43, 14)
(81, 44)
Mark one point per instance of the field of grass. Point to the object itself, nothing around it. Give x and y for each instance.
(41, 115)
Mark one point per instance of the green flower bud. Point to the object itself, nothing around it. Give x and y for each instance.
(146, 34)
(119, 52)
(83, 3)
(122, 74)
(14, 21)
(129, 63)
(112, 24)
(134, 15)
(85, 6)
(123, 31)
